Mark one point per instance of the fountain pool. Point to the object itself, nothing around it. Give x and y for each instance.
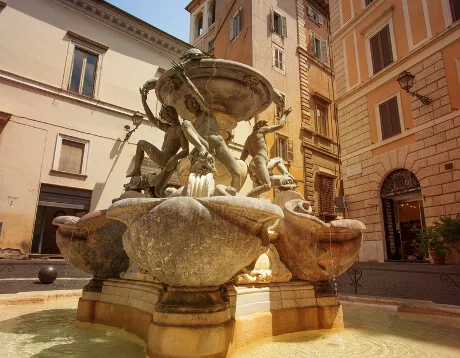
(49, 330)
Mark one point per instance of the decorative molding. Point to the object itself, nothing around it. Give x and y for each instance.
(130, 25)
(373, 23)
(441, 40)
(321, 97)
(59, 92)
(79, 38)
(315, 61)
(351, 24)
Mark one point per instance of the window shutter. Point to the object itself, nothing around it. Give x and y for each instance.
(231, 27)
(385, 120)
(323, 46)
(387, 54)
(375, 52)
(71, 156)
(240, 19)
(326, 195)
(320, 19)
(310, 12)
(283, 26)
(312, 42)
(290, 151)
(394, 116)
(273, 20)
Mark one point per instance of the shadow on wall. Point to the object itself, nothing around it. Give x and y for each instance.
(99, 187)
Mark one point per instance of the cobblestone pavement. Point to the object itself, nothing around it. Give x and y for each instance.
(22, 276)
(419, 281)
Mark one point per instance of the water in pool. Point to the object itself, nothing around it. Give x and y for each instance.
(49, 330)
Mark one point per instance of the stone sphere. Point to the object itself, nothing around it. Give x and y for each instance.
(47, 274)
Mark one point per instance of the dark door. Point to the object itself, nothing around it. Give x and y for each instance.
(391, 236)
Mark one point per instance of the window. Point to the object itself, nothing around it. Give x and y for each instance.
(212, 13)
(83, 73)
(84, 66)
(381, 50)
(199, 25)
(284, 147)
(368, 2)
(314, 16)
(326, 194)
(455, 9)
(235, 25)
(71, 155)
(279, 24)
(321, 118)
(390, 124)
(278, 59)
(319, 47)
(280, 105)
(211, 45)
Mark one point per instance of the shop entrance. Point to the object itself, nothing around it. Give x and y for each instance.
(56, 201)
(402, 208)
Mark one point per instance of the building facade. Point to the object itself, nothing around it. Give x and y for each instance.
(70, 74)
(400, 152)
(288, 42)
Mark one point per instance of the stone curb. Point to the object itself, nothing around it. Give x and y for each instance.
(406, 305)
(37, 296)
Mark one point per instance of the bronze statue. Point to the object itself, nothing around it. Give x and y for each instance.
(261, 166)
(204, 133)
(174, 139)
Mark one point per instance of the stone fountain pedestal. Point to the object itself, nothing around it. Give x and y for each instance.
(210, 322)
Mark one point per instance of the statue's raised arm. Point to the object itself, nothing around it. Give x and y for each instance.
(144, 91)
(278, 126)
(180, 70)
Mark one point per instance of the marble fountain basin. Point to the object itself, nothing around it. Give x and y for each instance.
(93, 243)
(194, 242)
(313, 250)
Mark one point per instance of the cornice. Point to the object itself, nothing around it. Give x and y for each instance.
(128, 24)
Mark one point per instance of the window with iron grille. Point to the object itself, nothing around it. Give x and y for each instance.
(326, 194)
(381, 51)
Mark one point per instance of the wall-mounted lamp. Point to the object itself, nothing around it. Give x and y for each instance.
(137, 120)
(406, 81)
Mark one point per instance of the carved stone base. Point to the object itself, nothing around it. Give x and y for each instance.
(235, 317)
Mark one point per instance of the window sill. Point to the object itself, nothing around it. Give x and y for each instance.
(279, 71)
(77, 175)
(79, 94)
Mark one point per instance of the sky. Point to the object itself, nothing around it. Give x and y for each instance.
(167, 15)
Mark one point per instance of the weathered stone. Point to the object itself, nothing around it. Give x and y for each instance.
(313, 250)
(93, 243)
(192, 242)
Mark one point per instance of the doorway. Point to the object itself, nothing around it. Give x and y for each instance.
(56, 201)
(402, 209)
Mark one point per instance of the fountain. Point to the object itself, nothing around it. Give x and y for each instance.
(202, 271)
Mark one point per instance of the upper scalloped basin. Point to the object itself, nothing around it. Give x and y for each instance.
(230, 87)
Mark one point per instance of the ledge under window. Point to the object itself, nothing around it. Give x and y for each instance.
(55, 171)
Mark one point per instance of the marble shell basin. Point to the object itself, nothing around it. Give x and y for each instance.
(313, 250)
(93, 243)
(194, 242)
(230, 87)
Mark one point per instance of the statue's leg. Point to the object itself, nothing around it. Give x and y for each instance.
(278, 162)
(261, 173)
(153, 152)
(159, 157)
(224, 154)
(193, 137)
